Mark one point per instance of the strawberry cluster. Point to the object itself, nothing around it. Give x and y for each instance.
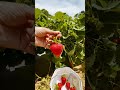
(65, 82)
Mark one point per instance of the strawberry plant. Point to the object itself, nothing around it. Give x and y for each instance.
(102, 44)
(70, 51)
(73, 34)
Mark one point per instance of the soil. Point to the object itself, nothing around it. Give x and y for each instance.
(81, 72)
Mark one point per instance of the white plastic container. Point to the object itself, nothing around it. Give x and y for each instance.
(71, 76)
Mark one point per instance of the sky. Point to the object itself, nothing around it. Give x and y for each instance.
(71, 7)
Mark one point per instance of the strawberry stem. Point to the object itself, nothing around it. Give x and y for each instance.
(56, 40)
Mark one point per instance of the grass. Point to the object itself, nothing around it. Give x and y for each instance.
(42, 83)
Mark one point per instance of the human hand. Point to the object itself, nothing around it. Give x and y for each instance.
(44, 36)
(16, 26)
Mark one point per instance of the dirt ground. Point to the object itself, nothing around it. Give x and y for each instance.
(81, 71)
(43, 83)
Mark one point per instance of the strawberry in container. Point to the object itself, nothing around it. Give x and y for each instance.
(66, 78)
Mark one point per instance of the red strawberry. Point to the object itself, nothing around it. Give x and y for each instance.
(63, 79)
(59, 86)
(67, 85)
(56, 49)
(115, 40)
(119, 41)
(72, 88)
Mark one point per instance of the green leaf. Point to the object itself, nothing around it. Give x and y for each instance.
(97, 7)
(103, 3)
(113, 4)
(90, 61)
(113, 75)
(72, 51)
(81, 28)
(37, 13)
(110, 5)
(116, 68)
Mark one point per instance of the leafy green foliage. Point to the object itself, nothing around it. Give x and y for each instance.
(73, 33)
(102, 54)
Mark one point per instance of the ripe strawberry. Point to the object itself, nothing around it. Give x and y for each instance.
(67, 85)
(56, 49)
(72, 88)
(115, 40)
(119, 41)
(59, 86)
(63, 80)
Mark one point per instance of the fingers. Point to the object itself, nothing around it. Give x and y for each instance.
(43, 42)
(42, 31)
(59, 35)
(54, 33)
(44, 36)
(49, 41)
